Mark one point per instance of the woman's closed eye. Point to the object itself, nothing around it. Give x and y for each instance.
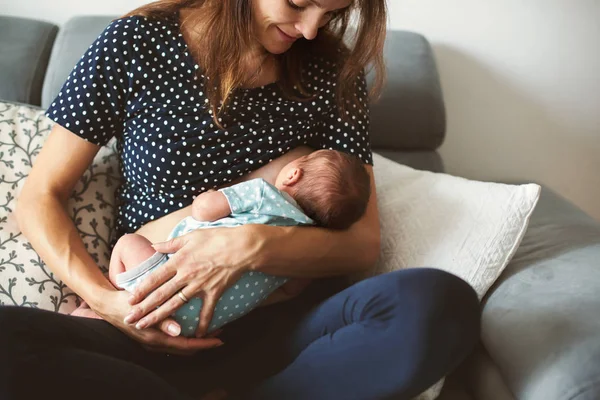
(295, 6)
(328, 14)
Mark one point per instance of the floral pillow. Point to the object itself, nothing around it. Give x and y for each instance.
(24, 278)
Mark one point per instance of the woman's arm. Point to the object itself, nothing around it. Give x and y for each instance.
(42, 217)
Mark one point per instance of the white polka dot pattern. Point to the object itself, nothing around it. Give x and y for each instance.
(138, 82)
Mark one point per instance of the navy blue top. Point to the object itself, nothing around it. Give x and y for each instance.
(138, 82)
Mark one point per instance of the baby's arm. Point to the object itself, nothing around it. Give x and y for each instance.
(210, 206)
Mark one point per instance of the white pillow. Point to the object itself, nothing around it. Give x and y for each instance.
(24, 279)
(468, 228)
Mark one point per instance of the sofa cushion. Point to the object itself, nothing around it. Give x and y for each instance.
(24, 278)
(541, 321)
(25, 46)
(468, 228)
(410, 114)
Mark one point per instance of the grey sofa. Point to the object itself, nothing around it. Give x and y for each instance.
(540, 337)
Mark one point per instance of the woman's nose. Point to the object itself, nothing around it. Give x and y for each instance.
(309, 25)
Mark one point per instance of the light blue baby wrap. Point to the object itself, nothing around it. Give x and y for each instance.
(252, 202)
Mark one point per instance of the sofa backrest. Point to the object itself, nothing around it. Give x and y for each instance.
(409, 115)
(25, 46)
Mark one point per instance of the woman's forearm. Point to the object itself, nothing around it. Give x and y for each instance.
(51, 232)
(308, 252)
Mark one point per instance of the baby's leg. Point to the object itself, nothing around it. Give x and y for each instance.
(129, 251)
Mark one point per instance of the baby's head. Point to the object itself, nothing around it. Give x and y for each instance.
(331, 187)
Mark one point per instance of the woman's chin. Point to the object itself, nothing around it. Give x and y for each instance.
(278, 48)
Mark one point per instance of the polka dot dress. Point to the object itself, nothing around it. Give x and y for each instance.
(138, 82)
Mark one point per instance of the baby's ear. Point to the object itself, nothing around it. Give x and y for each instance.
(294, 176)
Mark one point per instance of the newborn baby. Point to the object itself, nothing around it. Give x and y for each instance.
(327, 188)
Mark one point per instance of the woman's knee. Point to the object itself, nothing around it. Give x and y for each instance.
(455, 302)
(443, 300)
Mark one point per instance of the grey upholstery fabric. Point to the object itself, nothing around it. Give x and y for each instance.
(25, 47)
(482, 378)
(75, 36)
(541, 321)
(410, 115)
(423, 160)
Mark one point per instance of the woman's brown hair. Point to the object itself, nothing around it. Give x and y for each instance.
(226, 32)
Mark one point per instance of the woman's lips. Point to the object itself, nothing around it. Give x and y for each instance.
(285, 36)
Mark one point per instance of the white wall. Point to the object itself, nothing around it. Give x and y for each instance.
(59, 11)
(521, 81)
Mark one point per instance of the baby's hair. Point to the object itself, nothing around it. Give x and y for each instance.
(334, 190)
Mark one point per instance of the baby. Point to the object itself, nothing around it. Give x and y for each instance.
(326, 187)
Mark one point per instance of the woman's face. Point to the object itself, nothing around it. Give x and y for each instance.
(277, 24)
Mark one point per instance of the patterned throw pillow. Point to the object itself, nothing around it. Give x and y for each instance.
(24, 278)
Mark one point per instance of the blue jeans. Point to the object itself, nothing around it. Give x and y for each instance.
(388, 337)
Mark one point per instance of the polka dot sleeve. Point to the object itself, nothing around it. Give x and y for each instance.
(244, 197)
(351, 134)
(91, 102)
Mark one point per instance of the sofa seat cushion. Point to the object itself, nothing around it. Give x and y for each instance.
(541, 320)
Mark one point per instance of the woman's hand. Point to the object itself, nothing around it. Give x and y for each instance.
(204, 263)
(114, 307)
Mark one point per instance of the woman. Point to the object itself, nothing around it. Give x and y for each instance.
(200, 93)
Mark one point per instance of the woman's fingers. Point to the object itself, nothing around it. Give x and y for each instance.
(165, 297)
(154, 315)
(170, 327)
(152, 337)
(156, 278)
(206, 314)
(178, 345)
(170, 246)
